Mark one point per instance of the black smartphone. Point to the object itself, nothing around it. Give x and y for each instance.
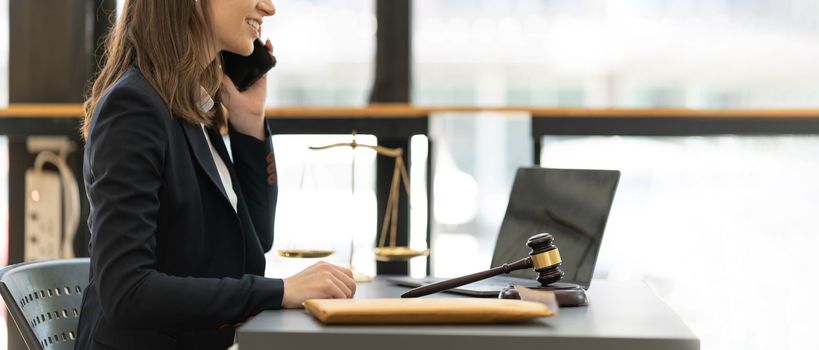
(245, 70)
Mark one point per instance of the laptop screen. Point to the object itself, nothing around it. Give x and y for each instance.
(573, 205)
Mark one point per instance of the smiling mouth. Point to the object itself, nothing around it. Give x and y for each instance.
(255, 25)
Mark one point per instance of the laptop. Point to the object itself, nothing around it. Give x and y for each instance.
(571, 204)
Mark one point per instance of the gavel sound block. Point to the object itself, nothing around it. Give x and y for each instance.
(544, 258)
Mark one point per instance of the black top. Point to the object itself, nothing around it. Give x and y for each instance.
(173, 266)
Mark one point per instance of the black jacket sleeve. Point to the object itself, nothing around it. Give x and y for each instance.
(255, 165)
(126, 153)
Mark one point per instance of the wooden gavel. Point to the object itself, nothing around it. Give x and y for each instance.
(544, 258)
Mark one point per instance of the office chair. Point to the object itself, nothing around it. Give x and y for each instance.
(44, 300)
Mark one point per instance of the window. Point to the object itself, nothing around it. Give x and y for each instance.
(326, 203)
(724, 196)
(4, 53)
(717, 226)
(475, 159)
(324, 49)
(4, 162)
(613, 53)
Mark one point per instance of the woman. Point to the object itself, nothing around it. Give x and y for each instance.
(178, 230)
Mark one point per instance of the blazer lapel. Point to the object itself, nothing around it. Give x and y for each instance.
(245, 223)
(221, 149)
(199, 146)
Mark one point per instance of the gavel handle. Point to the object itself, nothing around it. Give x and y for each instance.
(459, 281)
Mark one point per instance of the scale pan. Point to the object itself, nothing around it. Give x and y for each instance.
(398, 253)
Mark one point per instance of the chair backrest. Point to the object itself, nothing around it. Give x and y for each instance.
(44, 300)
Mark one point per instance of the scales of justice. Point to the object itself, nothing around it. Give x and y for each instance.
(384, 251)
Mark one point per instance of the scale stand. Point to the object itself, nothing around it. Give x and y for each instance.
(385, 252)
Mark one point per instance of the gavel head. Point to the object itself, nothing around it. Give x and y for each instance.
(545, 258)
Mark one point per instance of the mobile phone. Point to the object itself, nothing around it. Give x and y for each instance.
(245, 70)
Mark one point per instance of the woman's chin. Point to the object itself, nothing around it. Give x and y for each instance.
(244, 51)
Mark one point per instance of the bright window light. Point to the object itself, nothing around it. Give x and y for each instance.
(722, 228)
(615, 53)
(318, 207)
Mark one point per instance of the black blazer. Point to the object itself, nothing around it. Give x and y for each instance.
(173, 266)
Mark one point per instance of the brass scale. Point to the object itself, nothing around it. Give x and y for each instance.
(383, 252)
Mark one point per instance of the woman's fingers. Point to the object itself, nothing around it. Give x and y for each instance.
(342, 276)
(345, 276)
(321, 280)
(341, 287)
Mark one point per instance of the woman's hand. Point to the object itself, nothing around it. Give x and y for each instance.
(246, 109)
(319, 281)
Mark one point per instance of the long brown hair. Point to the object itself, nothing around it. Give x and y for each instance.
(169, 41)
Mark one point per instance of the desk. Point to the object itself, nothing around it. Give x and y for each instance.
(622, 315)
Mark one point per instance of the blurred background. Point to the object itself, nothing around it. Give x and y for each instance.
(694, 211)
